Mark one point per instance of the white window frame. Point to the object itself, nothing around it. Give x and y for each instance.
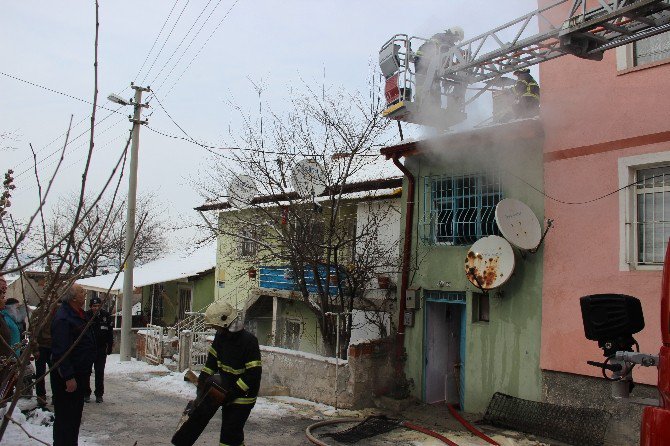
(628, 166)
(625, 58)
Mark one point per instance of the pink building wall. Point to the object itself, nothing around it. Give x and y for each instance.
(590, 112)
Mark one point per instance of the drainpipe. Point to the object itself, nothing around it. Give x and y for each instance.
(406, 251)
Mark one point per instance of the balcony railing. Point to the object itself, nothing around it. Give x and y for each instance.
(281, 278)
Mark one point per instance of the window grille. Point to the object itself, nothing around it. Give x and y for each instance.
(459, 210)
(652, 203)
(248, 247)
(652, 49)
(457, 297)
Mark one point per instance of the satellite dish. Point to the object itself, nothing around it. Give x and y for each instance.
(241, 191)
(518, 224)
(308, 178)
(490, 262)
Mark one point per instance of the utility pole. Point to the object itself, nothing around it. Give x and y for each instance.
(126, 315)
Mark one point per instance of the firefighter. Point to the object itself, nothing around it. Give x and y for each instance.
(104, 341)
(428, 52)
(527, 92)
(236, 357)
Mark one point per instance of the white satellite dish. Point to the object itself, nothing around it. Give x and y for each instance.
(518, 224)
(490, 262)
(241, 191)
(308, 178)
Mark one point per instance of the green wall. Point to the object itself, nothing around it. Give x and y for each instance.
(502, 354)
(203, 291)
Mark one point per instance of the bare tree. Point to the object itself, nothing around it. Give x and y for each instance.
(332, 255)
(16, 240)
(107, 254)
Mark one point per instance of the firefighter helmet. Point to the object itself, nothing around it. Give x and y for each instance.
(458, 32)
(222, 315)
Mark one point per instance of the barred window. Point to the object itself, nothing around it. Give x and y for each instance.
(652, 49)
(248, 246)
(462, 208)
(652, 203)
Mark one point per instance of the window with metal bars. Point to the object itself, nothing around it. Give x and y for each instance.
(652, 49)
(459, 210)
(652, 211)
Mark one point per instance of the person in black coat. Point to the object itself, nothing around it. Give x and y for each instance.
(104, 339)
(69, 380)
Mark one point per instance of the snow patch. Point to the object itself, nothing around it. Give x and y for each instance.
(299, 354)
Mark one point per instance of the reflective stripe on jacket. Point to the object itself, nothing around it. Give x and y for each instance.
(237, 358)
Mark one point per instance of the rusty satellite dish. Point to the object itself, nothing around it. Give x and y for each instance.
(308, 178)
(241, 191)
(518, 224)
(490, 262)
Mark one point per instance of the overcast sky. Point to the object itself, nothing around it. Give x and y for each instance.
(283, 44)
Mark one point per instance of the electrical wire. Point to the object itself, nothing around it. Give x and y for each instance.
(572, 203)
(167, 19)
(58, 150)
(164, 43)
(182, 41)
(212, 149)
(35, 84)
(202, 47)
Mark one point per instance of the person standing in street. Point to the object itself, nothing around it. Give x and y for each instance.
(104, 339)
(43, 359)
(7, 356)
(74, 345)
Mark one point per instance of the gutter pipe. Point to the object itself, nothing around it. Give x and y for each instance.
(406, 250)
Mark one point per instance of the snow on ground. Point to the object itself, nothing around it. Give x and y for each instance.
(38, 424)
(115, 366)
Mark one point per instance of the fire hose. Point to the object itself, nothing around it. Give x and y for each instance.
(406, 424)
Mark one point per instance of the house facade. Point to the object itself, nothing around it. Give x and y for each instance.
(462, 345)
(606, 128)
(165, 290)
(265, 287)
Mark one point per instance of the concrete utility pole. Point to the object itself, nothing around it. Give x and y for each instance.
(126, 315)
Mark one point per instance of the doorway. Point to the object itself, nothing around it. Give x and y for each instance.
(444, 343)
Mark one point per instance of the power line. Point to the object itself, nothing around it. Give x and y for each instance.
(34, 84)
(156, 39)
(183, 39)
(202, 47)
(166, 41)
(58, 150)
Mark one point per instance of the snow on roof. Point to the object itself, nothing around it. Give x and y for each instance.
(174, 267)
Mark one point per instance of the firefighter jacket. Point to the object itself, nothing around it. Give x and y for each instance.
(527, 88)
(237, 358)
(66, 327)
(102, 330)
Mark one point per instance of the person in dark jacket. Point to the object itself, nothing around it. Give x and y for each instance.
(7, 355)
(43, 359)
(104, 340)
(527, 92)
(69, 380)
(234, 355)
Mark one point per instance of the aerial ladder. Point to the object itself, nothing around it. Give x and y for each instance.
(590, 28)
(436, 96)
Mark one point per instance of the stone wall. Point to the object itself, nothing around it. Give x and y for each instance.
(584, 391)
(366, 374)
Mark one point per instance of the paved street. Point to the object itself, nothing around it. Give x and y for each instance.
(134, 413)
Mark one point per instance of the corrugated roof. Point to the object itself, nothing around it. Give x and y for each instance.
(173, 267)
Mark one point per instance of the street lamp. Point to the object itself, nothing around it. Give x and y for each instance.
(126, 310)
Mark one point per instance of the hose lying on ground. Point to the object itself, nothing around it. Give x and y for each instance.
(470, 427)
(406, 424)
